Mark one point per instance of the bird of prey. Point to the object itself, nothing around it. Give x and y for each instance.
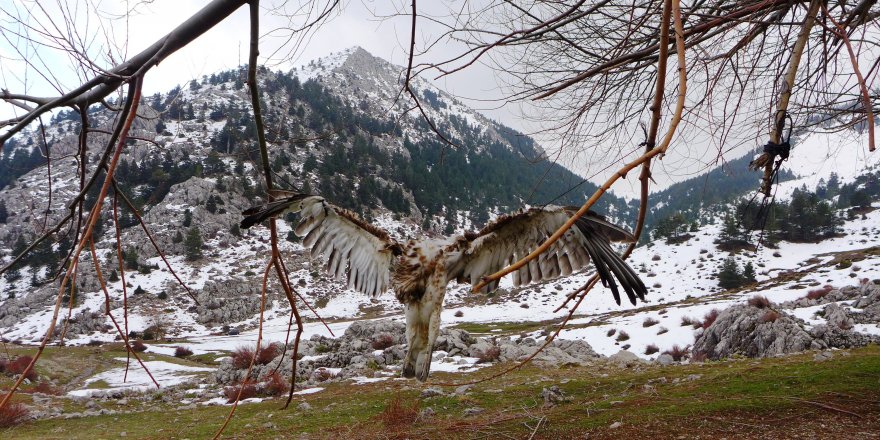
(418, 271)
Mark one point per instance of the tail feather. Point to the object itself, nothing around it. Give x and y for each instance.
(257, 214)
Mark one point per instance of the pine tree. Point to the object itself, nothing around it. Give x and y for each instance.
(178, 238)
(235, 230)
(749, 273)
(211, 205)
(114, 276)
(193, 244)
(131, 259)
(4, 214)
(730, 232)
(730, 277)
(187, 218)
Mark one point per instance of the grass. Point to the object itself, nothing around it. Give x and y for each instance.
(500, 328)
(790, 392)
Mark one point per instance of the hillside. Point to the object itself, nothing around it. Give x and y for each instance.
(337, 130)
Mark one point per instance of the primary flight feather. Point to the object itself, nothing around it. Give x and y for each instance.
(418, 271)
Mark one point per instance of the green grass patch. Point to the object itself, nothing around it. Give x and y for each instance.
(665, 399)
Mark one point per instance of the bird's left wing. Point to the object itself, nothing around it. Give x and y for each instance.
(353, 250)
(511, 237)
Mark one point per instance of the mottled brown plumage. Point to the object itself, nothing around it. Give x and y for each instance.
(418, 271)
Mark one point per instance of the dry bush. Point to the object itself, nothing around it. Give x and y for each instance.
(491, 354)
(13, 414)
(3, 364)
(397, 414)
(275, 385)
(662, 330)
(699, 356)
(710, 318)
(759, 301)
(268, 353)
(138, 346)
(241, 357)
(611, 332)
(688, 321)
(182, 352)
(322, 374)
(383, 341)
(622, 336)
(19, 364)
(649, 322)
(247, 389)
(47, 388)
(95, 343)
(678, 353)
(770, 316)
(459, 314)
(651, 349)
(820, 292)
(845, 325)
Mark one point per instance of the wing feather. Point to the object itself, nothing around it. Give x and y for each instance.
(352, 250)
(511, 237)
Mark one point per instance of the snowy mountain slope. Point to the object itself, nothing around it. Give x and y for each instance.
(681, 277)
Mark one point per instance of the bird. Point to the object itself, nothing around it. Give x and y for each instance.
(370, 261)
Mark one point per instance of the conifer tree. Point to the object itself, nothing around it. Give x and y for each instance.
(749, 273)
(193, 244)
(187, 218)
(4, 214)
(730, 277)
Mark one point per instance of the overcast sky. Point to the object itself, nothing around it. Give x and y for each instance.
(369, 24)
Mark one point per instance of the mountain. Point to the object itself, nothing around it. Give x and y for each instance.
(337, 126)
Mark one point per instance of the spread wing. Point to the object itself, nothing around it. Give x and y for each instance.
(353, 250)
(514, 236)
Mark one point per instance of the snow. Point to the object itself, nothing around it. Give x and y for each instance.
(165, 373)
(309, 391)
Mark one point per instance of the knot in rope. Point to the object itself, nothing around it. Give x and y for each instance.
(781, 149)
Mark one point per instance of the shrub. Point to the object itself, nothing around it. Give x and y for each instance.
(688, 321)
(662, 330)
(770, 316)
(622, 336)
(459, 314)
(275, 385)
(699, 356)
(759, 301)
(322, 374)
(710, 318)
(95, 343)
(383, 341)
(651, 349)
(397, 414)
(19, 365)
(247, 390)
(678, 353)
(268, 353)
(819, 293)
(182, 352)
(241, 357)
(3, 364)
(13, 414)
(138, 346)
(649, 322)
(491, 354)
(47, 388)
(611, 332)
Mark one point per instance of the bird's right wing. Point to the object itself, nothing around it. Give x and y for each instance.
(353, 250)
